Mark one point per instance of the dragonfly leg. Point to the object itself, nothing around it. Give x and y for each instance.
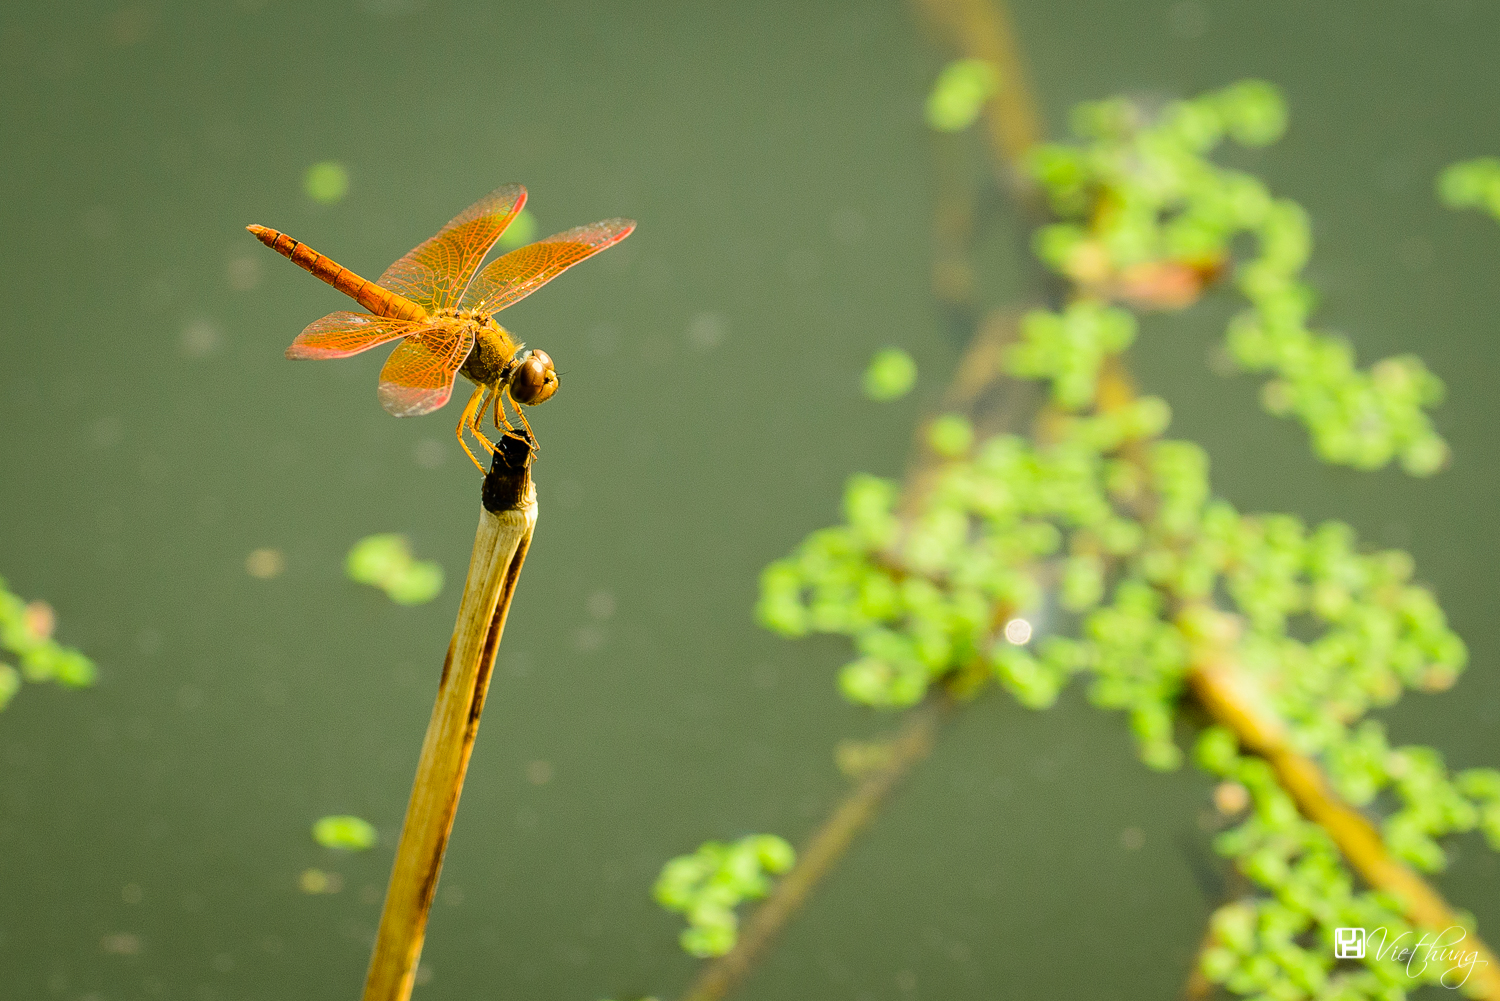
(476, 424)
(500, 417)
(525, 423)
(463, 422)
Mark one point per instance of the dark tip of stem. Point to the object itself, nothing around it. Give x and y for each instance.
(510, 473)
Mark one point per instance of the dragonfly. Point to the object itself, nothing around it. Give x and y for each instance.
(441, 305)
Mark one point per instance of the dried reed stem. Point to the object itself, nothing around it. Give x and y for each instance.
(505, 526)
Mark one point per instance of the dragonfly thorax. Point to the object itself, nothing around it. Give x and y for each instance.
(493, 352)
(500, 361)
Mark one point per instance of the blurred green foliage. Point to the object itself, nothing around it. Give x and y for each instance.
(709, 884)
(891, 375)
(1472, 184)
(521, 231)
(326, 183)
(26, 634)
(1098, 549)
(350, 834)
(960, 93)
(1147, 219)
(385, 561)
(1279, 944)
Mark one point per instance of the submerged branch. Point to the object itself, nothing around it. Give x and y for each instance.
(979, 390)
(1236, 702)
(981, 29)
(829, 842)
(1232, 700)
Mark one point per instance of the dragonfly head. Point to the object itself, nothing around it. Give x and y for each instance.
(533, 380)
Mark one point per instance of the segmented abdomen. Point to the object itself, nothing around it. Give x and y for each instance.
(380, 301)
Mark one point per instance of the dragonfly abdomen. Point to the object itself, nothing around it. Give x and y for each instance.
(380, 301)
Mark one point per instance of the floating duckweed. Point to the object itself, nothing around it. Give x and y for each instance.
(419, 584)
(1482, 787)
(1471, 184)
(316, 881)
(1285, 238)
(10, 683)
(869, 503)
(521, 231)
(1013, 502)
(1035, 683)
(1120, 536)
(385, 561)
(1295, 861)
(1082, 582)
(1148, 220)
(1253, 112)
(780, 607)
(26, 631)
(326, 182)
(960, 93)
(950, 435)
(873, 682)
(1134, 575)
(709, 884)
(1147, 417)
(891, 375)
(375, 559)
(1425, 456)
(350, 834)
(1069, 348)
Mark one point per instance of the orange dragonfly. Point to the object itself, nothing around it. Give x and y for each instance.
(439, 300)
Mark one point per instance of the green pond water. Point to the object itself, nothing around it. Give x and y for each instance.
(155, 829)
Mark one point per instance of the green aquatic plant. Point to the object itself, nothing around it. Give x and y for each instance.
(385, 561)
(1472, 184)
(709, 884)
(521, 231)
(26, 636)
(891, 375)
(326, 182)
(1096, 549)
(960, 94)
(1146, 218)
(346, 833)
(1280, 943)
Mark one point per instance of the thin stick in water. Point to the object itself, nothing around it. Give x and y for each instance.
(828, 843)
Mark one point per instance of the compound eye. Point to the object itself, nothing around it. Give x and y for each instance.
(535, 381)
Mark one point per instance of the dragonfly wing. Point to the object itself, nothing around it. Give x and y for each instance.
(418, 376)
(521, 272)
(341, 334)
(436, 273)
